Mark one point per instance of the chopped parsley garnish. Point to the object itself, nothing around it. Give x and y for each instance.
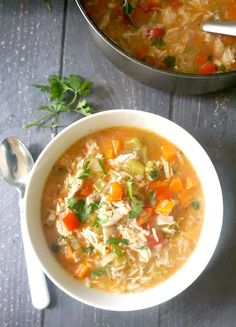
(88, 249)
(97, 273)
(209, 58)
(102, 166)
(127, 8)
(66, 94)
(221, 68)
(97, 222)
(154, 174)
(196, 205)
(136, 210)
(55, 247)
(169, 62)
(48, 3)
(117, 240)
(86, 173)
(80, 208)
(158, 42)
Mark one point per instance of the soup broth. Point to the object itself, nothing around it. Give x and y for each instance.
(168, 33)
(122, 209)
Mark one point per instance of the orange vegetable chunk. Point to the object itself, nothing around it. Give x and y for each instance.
(71, 221)
(116, 192)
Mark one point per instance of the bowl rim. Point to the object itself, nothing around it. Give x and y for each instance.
(145, 65)
(33, 175)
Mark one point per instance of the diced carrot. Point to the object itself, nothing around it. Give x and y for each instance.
(82, 271)
(165, 207)
(71, 221)
(145, 216)
(162, 193)
(86, 189)
(84, 150)
(184, 198)
(116, 192)
(231, 13)
(176, 185)
(109, 153)
(68, 253)
(168, 152)
(157, 184)
(117, 145)
(176, 4)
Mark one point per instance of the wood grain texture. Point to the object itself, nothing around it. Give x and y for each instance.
(27, 32)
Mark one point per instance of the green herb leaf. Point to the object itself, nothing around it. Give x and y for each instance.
(136, 210)
(129, 185)
(209, 58)
(88, 249)
(221, 68)
(97, 222)
(196, 205)
(82, 210)
(117, 249)
(158, 42)
(154, 174)
(102, 166)
(86, 173)
(169, 62)
(117, 240)
(66, 94)
(97, 273)
(127, 8)
(55, 247)
(48, 3)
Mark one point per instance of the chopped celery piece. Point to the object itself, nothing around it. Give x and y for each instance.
(119, 261)
(117, 249)
(134, 167)
(99, 185)
(135, 143)
(95, 166)
(149, 166)
(142, 153)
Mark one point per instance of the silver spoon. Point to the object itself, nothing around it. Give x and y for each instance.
(226, 28)
(16, 163)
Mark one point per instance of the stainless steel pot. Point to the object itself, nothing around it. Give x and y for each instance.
(167, 81)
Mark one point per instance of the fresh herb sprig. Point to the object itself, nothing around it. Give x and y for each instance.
(48, 3)
(67, 94)
(136, 207)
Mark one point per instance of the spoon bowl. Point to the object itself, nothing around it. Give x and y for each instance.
(16, 162)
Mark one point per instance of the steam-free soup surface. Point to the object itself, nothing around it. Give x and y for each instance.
(168, 33)
(122, 209)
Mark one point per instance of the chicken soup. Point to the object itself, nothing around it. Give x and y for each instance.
(168, 33)
(122, 209)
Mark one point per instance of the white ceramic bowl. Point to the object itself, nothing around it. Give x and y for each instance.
(211, 226)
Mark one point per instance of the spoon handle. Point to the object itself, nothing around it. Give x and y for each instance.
(227, 28)
(37, 281)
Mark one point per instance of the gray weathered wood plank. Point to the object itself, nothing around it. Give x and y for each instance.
(211, 300)
(30, 44)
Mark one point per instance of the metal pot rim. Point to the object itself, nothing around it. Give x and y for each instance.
(144, 65)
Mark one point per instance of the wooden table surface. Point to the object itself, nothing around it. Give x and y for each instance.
(35, 43)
